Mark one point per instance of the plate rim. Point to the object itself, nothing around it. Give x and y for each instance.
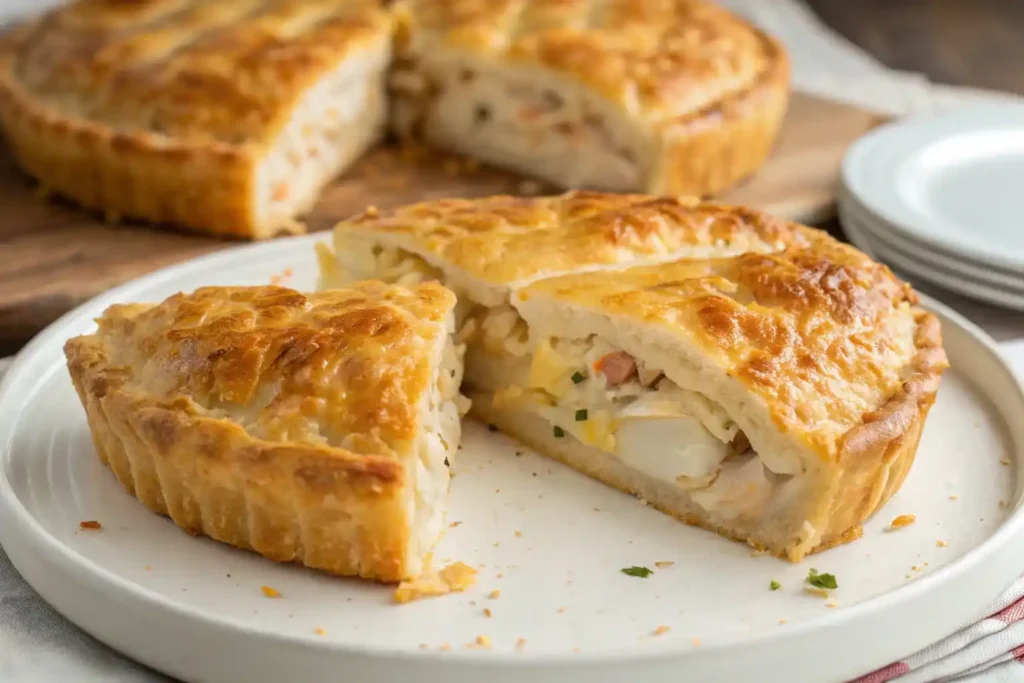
(23, 522)
(928, 129)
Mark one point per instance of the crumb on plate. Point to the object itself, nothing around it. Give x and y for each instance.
(454, 578)
(494, 594)
(270, 592)
(452, 525)
(445, 647)
(487, 612)
(940, 543)
(90, 524)
(817, 592)
(901, 521)
(520, 644)
(319, 631)
(664, 564)
(519, 534)
(662, 630)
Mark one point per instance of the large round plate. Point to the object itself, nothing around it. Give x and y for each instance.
(951, 181)
(194, 608)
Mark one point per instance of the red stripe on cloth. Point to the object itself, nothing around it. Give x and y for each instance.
(1018, 653)
(1011, 613)
(886, 674)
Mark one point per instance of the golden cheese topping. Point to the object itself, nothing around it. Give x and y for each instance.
(823, 334)
(505, 240)
(344, 368)
(658, 58)
(227, 71)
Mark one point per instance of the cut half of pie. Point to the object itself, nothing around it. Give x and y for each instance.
(315, 428)
(224, 117)
(743, 374)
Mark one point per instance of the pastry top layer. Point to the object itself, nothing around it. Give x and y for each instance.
(343, 368)
(660, 59)
(508, 240)
(824, 335)
(228, 71)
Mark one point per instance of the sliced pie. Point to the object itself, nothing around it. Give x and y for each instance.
(315, 429)
(744, 374)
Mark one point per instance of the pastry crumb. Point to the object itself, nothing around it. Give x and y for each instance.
(454, 524)
(520, 644)
(1004, 462)
(561, 610)
(494, 594)
(445, 647)
(1002, 504)
(480, 642)
(454, 578)
(500, 575)
(662, 630)
(319, 631)
(940, 543)
(831, 604)
(817, 592)
(664, 564)
(954, 497)
(519, 534)
(423, 646)
(90, 524)
(148, 568)
(783, 621)
(901, 521)
(488, 613)
(696, 642)
(270, 592)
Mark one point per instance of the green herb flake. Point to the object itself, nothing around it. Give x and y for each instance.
(581, 414)
(559, 432)
(639, 572)
(775, 585)
(578, 377)
(824, 581)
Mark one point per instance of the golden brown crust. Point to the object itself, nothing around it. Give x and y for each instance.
(712, 88)
(504, 240)
(269, 419)
(163, 109)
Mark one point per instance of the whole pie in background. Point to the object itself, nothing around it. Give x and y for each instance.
(230, 117)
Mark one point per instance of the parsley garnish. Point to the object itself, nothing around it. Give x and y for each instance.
(639, 572)
(578, 377)
(559, 432)
(775, 585)
(825, 581)
(581, 414)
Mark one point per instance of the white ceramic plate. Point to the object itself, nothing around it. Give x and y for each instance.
(908, 265)
(194, 608)
(952, 181)
(883, 235)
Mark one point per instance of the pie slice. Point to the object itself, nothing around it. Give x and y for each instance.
(744, 374)
(315, 429)
(659, 96)
(224, 117)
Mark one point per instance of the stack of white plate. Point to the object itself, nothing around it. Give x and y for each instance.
(941, 200)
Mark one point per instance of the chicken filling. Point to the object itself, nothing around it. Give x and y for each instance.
(607, 399)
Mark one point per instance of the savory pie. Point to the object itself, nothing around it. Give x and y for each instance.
(658, 96)
(310, 428)
(226, 117)
(744, 374)
(229, 117)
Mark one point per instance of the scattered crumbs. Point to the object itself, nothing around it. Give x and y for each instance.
(782, 621)
(774, 585)
(320, 632)
(500, 575)
(488, 613)
(561, 610)
(227, 575)
(534, 474)
(270, 592)
(519, 454)
(909, 576)
(481, 641)
(817, 592)
(519, 534)
(917, 567)
(1002, 504)
(496, 544)
(90, 524)
(454, 578)
(494, 594)
(149, 569)
(901, 521)
(596, 509)
(454, 524)
(1004, 462)
(940, 543)
(520, 644)
(497, 490)
(662, 630)
(639, 572)
(831, 604)
(954, 497)
(445, 647)
(423, 646)
(757, 552)
(664, 564)
(696, 642)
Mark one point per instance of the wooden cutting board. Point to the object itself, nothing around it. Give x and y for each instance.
(54, 256)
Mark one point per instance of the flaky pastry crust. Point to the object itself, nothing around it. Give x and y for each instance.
(163, 109)
(268, 419)
(711, 88)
